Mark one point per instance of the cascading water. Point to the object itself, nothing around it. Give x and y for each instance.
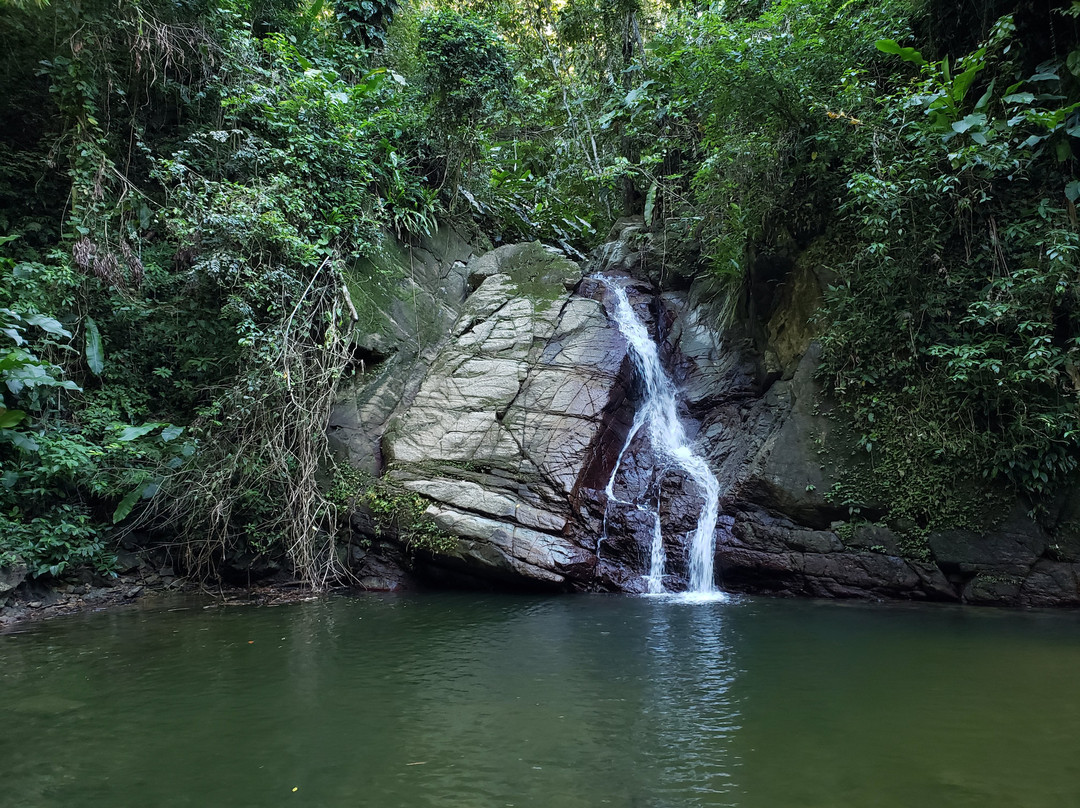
(670, 444)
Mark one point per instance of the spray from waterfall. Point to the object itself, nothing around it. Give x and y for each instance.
(659, 414)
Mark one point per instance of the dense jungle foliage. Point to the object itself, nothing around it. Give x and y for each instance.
(185, 183)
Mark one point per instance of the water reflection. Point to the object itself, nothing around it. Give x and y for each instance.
(691, 667)
(463, 700)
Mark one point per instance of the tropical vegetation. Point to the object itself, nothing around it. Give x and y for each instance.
(186, 184)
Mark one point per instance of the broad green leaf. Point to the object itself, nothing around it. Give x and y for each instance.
(132, 432)
(1019, 98)
(1072, 190)
(907, 54)
(21, 440)
(48, 324)
(127, 503)
(963, 83)
(637, 93)
(974, 119)
(984, 99)
(1073, 63)
(9, 418)
(606, 119)
(95, 353)
(170, 432)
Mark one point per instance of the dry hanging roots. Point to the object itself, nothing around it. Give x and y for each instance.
(93, 259)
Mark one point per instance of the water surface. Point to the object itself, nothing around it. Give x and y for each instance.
(475, 700)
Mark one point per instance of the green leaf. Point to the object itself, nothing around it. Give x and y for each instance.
(1019, 98)
(21, 440)
(974, 119)
(907, 54)
(127, 503)
(129, 433)
(171, 432)
(95, 353)
(635, 95)
(50, 325)
(1072, 190)
(606, 119)
(1073, 63)
(984, 99)
(963, 83)
(9, 418)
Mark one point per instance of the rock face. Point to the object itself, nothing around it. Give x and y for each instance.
(502, 421)
(497, 389)
(767, 428)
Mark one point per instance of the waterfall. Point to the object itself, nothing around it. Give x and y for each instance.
(670, 445)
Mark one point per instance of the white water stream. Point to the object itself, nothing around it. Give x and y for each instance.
(670, 445)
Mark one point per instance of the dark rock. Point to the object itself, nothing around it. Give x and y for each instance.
(10, 579)
(990, 588)
(1051, 583)
(868, 536)
(816, 541)
(1012, 545)
(380, 567)
(127, 562)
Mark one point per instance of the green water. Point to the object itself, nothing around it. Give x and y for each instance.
(466, 700)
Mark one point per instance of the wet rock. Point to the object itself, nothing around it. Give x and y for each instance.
(10, 579)
(380, 568)
(991, 588)
(506, 550)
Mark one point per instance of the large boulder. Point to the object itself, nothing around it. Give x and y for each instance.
(511, 410)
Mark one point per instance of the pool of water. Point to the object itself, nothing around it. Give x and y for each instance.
(475, 700)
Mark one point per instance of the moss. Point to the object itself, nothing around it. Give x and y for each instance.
(539, 275)
(404, 513)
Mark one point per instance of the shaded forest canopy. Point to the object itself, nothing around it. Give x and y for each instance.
(186, 184)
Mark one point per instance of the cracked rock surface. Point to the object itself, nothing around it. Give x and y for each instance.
(511, 410)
